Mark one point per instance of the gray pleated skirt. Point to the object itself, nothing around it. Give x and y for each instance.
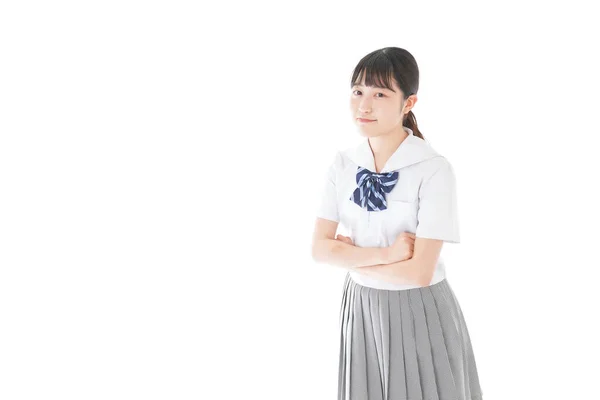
(408, 344)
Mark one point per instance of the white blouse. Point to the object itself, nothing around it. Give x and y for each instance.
(422, 202)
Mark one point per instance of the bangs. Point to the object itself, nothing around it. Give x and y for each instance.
(378, 70)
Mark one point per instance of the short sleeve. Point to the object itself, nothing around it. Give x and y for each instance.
(438, 210)
(327, 207)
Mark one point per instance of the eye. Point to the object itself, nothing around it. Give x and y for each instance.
(382, 95)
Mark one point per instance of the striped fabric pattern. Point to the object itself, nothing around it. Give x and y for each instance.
(372, 188)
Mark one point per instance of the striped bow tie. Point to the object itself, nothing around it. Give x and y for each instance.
(372, 188)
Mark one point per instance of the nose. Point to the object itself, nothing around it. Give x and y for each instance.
(364, 106)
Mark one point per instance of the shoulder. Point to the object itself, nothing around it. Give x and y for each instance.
(341, 160)
(436, 166)
(336, 161)
(438, 162)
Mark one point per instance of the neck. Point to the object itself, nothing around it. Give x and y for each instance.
(384, 146)
(388, 143)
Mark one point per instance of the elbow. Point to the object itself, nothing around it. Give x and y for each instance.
(424, 274)
(317, 252)
(425, 281)
(315, 255)
(321, 250)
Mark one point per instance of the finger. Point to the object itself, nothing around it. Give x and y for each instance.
(345, 239)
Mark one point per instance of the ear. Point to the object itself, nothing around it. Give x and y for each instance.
(410, 103)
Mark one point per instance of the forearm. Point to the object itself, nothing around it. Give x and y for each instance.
(341, 254)
(401, 272)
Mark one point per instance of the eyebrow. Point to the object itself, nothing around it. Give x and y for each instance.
(378, 87)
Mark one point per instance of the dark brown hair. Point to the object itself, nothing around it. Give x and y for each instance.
(383, 65)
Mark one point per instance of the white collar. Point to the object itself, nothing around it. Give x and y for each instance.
(412, 150)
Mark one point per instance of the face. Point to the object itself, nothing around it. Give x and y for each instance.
(384, 107)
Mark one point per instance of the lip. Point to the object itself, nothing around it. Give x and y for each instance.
(364, 120)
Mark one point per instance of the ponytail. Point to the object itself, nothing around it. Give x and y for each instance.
(410, 121)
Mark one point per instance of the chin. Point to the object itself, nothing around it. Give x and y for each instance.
(368, 134)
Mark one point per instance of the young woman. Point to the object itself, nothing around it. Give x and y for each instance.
(403, 334)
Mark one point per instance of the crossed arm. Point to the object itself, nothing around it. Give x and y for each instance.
(374, 261)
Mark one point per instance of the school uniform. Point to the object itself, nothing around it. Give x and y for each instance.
(399, 341)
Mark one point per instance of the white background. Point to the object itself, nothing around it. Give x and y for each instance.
(159, 172)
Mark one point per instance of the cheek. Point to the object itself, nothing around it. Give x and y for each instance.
(389, 115)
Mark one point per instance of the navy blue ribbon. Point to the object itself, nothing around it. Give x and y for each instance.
(372, 188)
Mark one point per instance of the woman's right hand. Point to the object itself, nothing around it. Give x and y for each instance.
(344, 239)
(402, 248)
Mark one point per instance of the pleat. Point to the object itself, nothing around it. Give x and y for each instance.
(368, 325)
(454, 339)
(404, 345)
(360, 348)
(424, 352)
(397, 386)
(413, 380)
(439, 350)
(384, 329)
(470, 381)
(344, 341)
(377, 313)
